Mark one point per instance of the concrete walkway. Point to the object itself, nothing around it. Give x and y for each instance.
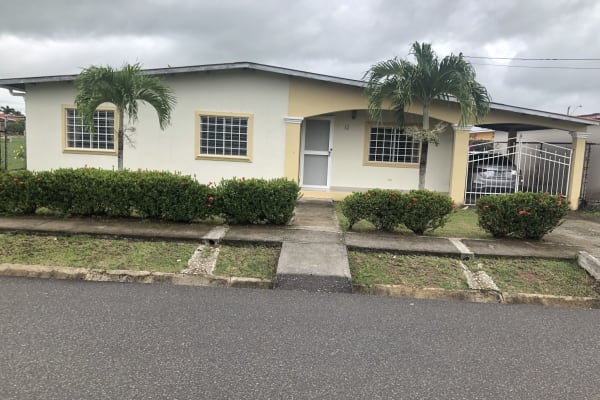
(313, 254)
(314, 250)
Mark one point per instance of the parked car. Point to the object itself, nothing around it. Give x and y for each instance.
(491, 172)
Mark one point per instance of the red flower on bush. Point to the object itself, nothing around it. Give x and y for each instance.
(522, 212)
(415, 199)
(209, 205)
(453, 206)
(210, 198)
(559, 203)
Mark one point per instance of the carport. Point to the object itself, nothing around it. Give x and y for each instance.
(548, 169)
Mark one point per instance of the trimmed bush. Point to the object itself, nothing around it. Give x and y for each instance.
(521, 215)
(426, 210)
(147, 194)
(419, 210)
(256, 201)
(170, 197)
(19, 192)
(383, 208)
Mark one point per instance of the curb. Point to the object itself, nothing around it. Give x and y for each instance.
(127, 276)
(478, 296)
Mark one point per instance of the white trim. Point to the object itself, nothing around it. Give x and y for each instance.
(322, 153)
(579, 135)
(293, 120)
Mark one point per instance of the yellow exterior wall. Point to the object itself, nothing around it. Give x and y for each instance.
(292, 149)
(576, 173)
(458, 169)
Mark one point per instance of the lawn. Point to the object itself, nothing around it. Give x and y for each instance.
(87, 252)
(249, 261)
(525, 275)
(517, 275)
(368, 268)
(461, 223)
(14, 143)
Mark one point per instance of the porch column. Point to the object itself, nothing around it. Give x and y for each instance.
(292, 147)
(576, 171)
(460, 158)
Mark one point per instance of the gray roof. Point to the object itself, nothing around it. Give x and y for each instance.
(19, 84)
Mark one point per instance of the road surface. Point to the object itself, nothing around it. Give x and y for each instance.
(86, 340)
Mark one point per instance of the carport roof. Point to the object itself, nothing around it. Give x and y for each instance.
(19, 84)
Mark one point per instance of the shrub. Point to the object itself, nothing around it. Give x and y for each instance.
(171, 197)
(90, 191)
(148, 194)
(72, 191)
(521, 215)
(426, 210)
(419, 210)
(256, 201)
(19, 192)
(383, 208)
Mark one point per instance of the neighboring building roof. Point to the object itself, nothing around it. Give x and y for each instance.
(13, 118)
(19, 84)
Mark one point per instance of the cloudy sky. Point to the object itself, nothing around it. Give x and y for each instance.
(336, 37)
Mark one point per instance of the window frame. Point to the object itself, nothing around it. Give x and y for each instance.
(222, 157)
(81, 150)
(367, 148)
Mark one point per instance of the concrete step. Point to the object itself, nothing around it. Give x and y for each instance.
(313, 267)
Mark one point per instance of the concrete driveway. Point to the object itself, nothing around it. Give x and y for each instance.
(579, 229)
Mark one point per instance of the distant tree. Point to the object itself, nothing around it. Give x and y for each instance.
(123, 88)
(8, 110)
(402, 82)
(15, 127)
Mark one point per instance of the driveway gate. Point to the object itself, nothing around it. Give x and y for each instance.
(497, 168)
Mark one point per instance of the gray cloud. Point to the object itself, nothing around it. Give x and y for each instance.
(336, 37)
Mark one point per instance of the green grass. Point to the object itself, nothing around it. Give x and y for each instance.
(87, 252)
(249, 261)
(523, 275)
(462, 223)
(368, 268)
(14, 143)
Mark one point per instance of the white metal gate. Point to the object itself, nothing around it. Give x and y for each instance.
(496, 168)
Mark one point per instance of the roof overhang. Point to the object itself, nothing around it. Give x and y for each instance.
(20, 85)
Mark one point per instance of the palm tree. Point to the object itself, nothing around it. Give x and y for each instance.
(402, 82)
(124, 88)
(8, 110)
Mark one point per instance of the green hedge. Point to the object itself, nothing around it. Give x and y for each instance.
(19, 192)
(521, 215)
(256, 201)
(147, 194)
(418, 210)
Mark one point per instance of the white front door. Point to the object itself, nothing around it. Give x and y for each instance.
(316, 152)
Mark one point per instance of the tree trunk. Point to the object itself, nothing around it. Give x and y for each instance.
(424, 148)
(120, 139)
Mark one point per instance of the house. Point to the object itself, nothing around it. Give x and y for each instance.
(252, 120)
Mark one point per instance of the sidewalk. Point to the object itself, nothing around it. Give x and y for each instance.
(304, 228)
(313, 245)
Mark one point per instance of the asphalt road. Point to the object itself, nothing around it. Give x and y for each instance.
(84, 340)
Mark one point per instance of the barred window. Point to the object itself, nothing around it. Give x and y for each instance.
(392, 145)
(103, 136)
(224, 135)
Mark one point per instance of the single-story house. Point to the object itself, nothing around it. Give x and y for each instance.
(246, 119)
